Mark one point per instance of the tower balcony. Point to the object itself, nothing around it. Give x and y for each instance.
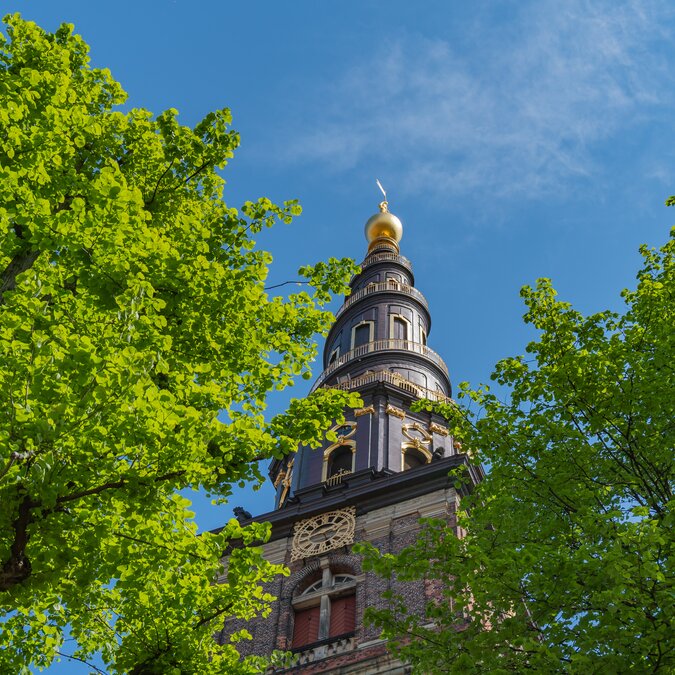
(412, 388)
(389, 286)
(381, 346)
(386, 256)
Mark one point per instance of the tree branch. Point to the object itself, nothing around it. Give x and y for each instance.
(21, 262)
(17, 567)
(159, 180)
(111, 486)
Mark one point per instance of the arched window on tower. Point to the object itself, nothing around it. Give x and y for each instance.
(341, 461)
(413, 457)
(325, 609)
(338, 459)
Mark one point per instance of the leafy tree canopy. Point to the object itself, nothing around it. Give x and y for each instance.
(133, 314)
(566, 566)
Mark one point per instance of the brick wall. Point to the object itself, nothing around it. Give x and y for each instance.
(390, 529)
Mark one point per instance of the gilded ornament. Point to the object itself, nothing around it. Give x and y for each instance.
(364, 411)
(438, 429)
(344, 431)
(416, 433)
(396, 412)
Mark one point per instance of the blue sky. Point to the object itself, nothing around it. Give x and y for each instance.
(516, 140)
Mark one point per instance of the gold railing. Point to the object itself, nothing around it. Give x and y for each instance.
(389, 285)
(397, 380)
(380, 346)
(336, 478)
(379, 257)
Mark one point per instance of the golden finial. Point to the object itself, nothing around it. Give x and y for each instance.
(384, 205)
(384, 229)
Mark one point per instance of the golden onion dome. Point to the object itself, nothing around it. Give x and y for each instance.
(384, 227)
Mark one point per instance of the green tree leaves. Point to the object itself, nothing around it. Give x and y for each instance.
(138, 346)
(567, 564)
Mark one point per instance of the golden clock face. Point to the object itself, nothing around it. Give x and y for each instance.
(323, 533)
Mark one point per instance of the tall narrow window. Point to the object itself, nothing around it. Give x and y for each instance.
(362, 334)
(400, 328)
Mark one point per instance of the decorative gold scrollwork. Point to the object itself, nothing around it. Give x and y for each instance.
(364, 411)
(396, 412)
(416, 434)
(438, 429)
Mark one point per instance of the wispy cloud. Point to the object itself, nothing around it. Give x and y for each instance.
(520, 113)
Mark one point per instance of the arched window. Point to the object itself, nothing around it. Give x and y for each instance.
(413, 457)
(325, 609)
(338, 461)
(341, 461)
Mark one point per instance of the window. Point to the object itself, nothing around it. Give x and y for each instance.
(333, 597)
(412, 459)
(334, 355)
(338, 460)
(398, 328)
(341, 461)
(314, 587)
(362, 333)
(394, 280)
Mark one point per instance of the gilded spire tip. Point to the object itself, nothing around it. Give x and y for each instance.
(384, 204)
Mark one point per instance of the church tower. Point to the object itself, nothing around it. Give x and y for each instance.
(387, 469)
